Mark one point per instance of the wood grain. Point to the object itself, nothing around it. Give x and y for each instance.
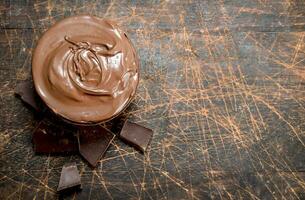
(222, 86)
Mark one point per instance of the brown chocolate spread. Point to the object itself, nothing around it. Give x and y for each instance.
(85, 69)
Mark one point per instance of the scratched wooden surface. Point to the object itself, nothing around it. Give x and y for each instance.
(222, 86)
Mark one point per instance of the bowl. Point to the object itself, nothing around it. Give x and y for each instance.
(85, 69)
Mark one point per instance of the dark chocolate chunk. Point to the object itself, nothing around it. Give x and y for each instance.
(49, 138)
(69, 177)
(26, 91)
(136, 135)
(93, 143)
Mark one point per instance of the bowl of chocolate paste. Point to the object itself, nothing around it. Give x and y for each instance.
(85, 69)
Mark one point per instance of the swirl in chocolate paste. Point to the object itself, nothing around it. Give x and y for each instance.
(87, 66)
(85, 69)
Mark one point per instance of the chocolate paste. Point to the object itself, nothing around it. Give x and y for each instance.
(85, 69)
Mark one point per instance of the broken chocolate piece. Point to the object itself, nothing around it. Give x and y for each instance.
(49, 138)
(136, 135)
(69, 177)
(93, 143)
(26, 91)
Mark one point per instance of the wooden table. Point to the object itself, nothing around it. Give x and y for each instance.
(222, 86)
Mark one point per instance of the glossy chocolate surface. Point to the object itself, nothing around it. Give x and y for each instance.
(85, 69)
(49, 138)
(69, 177)
(136, 135)
(26, 91)
(93, 143)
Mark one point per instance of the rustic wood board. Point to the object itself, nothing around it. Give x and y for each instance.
(222, 86)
